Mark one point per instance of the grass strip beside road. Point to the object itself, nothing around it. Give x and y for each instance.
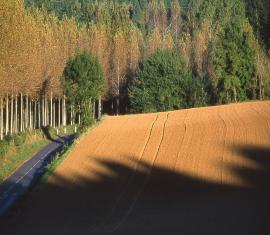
(23, 153)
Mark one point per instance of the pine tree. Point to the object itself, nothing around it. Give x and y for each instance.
(233, 62)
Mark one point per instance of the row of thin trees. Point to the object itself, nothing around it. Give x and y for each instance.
(19, 113)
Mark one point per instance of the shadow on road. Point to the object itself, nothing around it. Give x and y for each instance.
(47, 134)
(154, 200)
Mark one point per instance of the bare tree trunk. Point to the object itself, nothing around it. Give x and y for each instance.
(46, 110)
(94, 109)
(35, 115)
(90, 105)
(79, 116)
(99, 107)
(27, 113)
(38, 114)
(54, 113)
(59, 112)
(11, 114)
(51, 111)
(260, 87)
(64, 114)
(71, 115)
(1, 119)
(235, 94)
(21, 114)
(30, 115)
(16, 115)
(41, 105)
(7, 114)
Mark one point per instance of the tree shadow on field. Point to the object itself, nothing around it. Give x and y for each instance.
(154, 200)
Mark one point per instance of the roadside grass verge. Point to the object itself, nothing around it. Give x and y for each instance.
(18, 149)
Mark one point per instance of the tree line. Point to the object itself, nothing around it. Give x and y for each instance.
(222, 46)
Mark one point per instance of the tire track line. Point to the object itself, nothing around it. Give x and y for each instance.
(224, 145)
(182, 141)
(131, 178)
(133, 203)
(185, 159)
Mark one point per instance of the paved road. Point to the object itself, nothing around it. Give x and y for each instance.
(20, 181)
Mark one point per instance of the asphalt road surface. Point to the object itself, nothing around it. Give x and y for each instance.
(25, 176)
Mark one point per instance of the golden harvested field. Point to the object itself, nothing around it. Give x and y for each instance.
(197, 171)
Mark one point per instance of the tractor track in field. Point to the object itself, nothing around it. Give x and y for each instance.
(182, 140)
(224, 145)
(137, 195)
(101, 226)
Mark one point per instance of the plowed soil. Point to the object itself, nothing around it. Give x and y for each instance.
(197, 171)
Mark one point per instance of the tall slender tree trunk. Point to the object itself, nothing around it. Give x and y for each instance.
(45, 114)
(46, 110)
(42, 111)
(30, 115)
(39, 113)
(71, 115)
(79, 116)
(7, 114)
(12, 115)
(16, 114)
(35, 115)
(51, 111)
(260, 87)
(235, 94)
(94, 109)
(1, 118)
(21, 113)
(27, 112)
(64, 114)
(54, 113)
(59, 112)
(99, 107)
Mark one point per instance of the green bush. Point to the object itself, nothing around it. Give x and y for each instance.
(4, 146)
(9, 138)
(20, 138)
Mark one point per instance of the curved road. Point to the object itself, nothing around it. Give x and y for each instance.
(26, 175)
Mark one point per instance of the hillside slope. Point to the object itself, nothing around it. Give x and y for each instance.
(197, 171)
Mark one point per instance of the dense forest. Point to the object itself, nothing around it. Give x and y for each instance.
(219, 53)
